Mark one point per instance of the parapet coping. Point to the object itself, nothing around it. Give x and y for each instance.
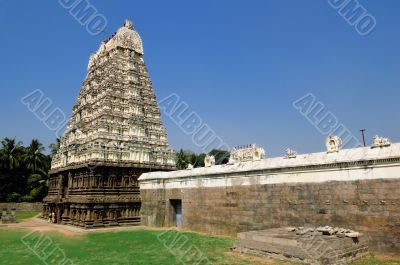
(347, 158)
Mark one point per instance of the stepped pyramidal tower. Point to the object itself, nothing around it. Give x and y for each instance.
(114, 135)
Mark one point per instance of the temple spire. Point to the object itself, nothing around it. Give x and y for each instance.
(128, 24)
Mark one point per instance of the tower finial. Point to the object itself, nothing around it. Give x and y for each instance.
(128, 24)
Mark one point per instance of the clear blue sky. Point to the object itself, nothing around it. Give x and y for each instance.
(238, 64)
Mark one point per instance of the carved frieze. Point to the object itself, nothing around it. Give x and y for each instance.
(247, 153)
(380, 142)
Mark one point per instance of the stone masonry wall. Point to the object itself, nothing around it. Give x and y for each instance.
(368, 206)
(23, 206)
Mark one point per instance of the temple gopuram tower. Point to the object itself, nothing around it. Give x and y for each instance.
(114, 135)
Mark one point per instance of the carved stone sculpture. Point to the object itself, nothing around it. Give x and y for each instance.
(247, 153)
(114, 135)
(290, 153)
(8, 217)
(209, 161)
(380, 142)
(333, 144)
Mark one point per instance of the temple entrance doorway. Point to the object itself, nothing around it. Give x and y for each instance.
(177, 205)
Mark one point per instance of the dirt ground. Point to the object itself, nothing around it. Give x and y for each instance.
(39, 224)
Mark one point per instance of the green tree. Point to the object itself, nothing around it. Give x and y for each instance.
(54, 147)
(181, 160)
(11, 153)
(37, 187)
(221, 156)
(199, 160)
(23, 171)
(34, 158)
(13, 172)
(184, 158)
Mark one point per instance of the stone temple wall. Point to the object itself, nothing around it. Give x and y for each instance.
(357, 189)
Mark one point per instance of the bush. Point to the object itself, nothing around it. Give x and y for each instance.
(38, 193)
(13, 197)
(27, 198)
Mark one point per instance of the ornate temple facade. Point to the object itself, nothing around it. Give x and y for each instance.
(114, 135)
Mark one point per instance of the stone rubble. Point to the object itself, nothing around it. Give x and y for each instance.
(325, 231)
(324, 245)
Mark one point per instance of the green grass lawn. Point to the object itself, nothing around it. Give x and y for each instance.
(148, 247)
(376, 261)
(21, 216)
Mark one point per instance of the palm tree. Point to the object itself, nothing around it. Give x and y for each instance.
(11, 153)
(34, 157)
(55, 146)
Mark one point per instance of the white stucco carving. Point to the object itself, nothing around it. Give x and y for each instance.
(362, 163)
(116, 118)
(290, 153)
(247, 153)
(333, 144)
(231, 161)
(380, 142)
(209, 161)
(126, 37)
